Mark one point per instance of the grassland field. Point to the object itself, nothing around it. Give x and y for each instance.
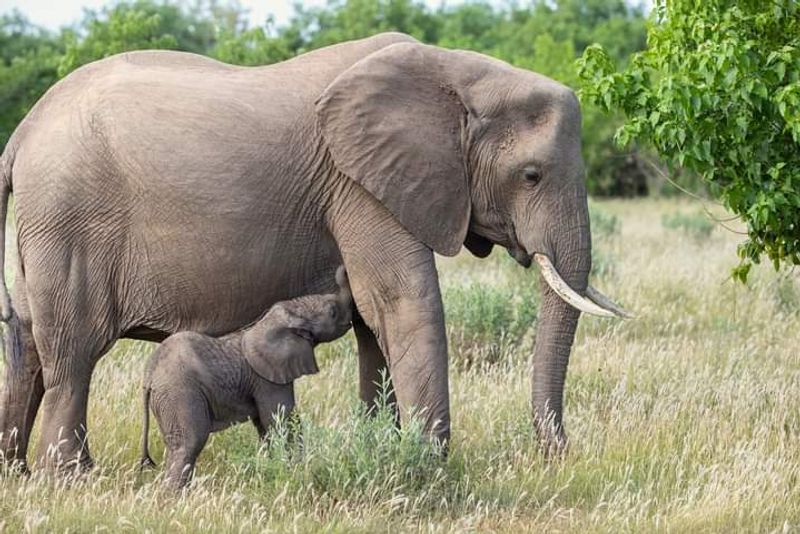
(685, 419)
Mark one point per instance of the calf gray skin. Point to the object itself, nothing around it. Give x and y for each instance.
(197, 384)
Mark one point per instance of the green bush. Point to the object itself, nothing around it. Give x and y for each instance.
(787, 293)
(605, 228)
(695, 225)
(368, 459)
(485, 320)
(604, 224)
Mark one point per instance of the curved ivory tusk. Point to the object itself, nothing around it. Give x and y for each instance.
(563, 290)
(604, 302)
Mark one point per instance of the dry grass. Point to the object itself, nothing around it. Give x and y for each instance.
(686, 419)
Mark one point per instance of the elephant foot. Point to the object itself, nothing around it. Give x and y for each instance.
(13, 467)
(67, 468)
(63, 459)
(553, 442)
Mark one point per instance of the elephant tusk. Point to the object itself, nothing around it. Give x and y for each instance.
(604, 302)
(562, 289)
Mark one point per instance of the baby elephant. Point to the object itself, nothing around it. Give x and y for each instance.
(196, 384)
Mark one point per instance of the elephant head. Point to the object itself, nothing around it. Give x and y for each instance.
(466, 149)
(280, 346)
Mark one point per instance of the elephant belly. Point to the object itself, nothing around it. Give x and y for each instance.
(218, 287)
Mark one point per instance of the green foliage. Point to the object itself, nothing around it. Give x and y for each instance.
(696, 225)
(28, 63)
(604, 225)
(126, 28)
(718, 91)
(787, 293)
(251, 47)
(605, 229)
(354, 19)
(370, 457)
(485, 319)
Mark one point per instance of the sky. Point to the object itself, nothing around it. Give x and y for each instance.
(53, 14)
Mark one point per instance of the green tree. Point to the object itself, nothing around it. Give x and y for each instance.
(125, 27)
(718, 91)
(546, 37)
(250, 47)
(355, 19)
(29, 59)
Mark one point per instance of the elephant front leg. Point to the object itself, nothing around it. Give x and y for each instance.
(375, 385)
(274, 401)
(397, 294)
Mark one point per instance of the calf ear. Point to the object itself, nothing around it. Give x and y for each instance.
(280, 357)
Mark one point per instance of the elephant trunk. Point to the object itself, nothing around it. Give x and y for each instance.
(571, 255)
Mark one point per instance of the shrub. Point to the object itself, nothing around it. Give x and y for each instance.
(484, 320)
(695, 225)
(718, 91)
(604, 224)
(366, 460)
(605, 229)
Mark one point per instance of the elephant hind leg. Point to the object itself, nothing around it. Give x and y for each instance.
(68, 355)
(23, 390)
(185, 423)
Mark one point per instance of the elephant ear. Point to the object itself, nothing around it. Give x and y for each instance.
(393, 123)
(281, 355)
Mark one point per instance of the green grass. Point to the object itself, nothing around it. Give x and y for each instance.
(686, 419)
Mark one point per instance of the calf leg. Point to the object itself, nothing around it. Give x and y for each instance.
(185, 423)
(273, 401)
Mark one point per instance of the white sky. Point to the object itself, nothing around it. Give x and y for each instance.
(53, 14)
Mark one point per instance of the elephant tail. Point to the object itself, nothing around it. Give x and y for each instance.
(12, 337)
(146, 460)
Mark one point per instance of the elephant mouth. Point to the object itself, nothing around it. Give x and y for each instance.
(516, 250)
(520, 255)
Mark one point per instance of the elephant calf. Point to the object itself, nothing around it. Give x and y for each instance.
(196, 384)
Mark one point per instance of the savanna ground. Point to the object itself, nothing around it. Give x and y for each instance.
(686, 419)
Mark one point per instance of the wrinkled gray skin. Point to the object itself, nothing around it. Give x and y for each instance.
(159, 191)
(196, 384)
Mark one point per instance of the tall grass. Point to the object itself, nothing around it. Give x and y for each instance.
(686, 419)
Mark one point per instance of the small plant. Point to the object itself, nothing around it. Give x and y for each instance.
(484, 319)
(787, 292)
(605, 228)
(695, 225)
(604, 225)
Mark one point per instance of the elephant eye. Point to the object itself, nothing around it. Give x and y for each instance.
(332, 310)
(532, 175)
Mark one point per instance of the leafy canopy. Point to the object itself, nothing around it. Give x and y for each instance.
(718, 91)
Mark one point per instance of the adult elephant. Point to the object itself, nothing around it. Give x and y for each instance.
(162, 191)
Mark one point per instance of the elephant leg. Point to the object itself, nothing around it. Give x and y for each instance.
(373, 372)
(63, 443)
(185, 429)
(273, 401)
(68, 358)
(403, 306)
(23, 389)
(416, 345)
